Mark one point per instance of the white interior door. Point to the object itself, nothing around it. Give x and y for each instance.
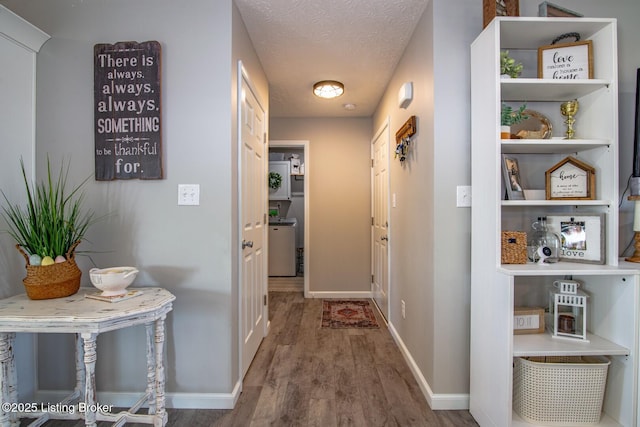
(380, 222)
(253, 185)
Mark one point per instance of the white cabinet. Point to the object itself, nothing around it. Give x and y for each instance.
(497, 288)
(283, 169)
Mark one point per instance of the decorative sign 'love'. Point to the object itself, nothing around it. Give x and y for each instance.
(569, 61)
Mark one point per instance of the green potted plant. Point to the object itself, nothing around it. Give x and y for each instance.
(509, 117)
(47, 231)
(509, 68)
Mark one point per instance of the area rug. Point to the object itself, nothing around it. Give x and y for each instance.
(348, 314)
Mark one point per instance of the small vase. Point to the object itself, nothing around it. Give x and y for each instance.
(505, 132)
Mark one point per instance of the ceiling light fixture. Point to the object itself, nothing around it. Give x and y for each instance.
(328, 89)
(349, 106)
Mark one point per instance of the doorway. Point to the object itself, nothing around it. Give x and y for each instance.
(296, 152)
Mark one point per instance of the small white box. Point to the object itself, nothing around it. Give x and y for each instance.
(295, 166)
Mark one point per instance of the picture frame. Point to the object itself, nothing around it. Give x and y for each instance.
(566, 61)
(570, 179)
(550, 10)
(528, 320)
(582, 237)
(512, 180)
(493, 8)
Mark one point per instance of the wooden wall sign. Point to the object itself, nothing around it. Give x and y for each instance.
(566, 61)
(571, 179)
(127, 116)
(493, 8)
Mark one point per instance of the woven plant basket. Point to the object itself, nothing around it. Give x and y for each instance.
(52, 281)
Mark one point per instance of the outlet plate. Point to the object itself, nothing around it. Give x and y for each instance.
(463, 196)
(188, 194)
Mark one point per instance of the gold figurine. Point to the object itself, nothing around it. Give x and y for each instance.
(569, 109)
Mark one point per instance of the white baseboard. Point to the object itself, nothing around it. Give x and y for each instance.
(454, 401)
(339, 294)
(172, 400)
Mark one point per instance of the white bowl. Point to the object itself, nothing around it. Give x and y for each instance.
(112, 281)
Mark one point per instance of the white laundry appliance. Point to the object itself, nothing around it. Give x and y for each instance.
(282, 247)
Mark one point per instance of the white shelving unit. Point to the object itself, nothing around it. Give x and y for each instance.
(613, 288)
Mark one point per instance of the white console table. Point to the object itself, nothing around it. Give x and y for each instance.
(86, 318)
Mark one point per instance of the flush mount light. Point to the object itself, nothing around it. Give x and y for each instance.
(328, 89)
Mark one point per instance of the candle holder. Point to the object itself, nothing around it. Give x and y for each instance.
(569, 109)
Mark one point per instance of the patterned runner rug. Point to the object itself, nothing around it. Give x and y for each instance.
(348, 314)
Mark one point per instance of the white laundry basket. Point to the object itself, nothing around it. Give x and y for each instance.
(560, 390)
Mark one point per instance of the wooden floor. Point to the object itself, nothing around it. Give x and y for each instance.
(287, 284)
(304, 375)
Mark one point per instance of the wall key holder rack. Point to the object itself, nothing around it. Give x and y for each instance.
(403, 138)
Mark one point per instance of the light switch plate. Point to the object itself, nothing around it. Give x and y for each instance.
(188, 194)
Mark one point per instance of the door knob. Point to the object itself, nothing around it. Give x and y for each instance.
(247, 244)
(384, 238)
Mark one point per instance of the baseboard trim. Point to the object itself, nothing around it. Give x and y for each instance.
(339, 294)
(172, 400)
(454, 401)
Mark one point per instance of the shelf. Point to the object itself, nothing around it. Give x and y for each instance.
(521, 89)
(566, 268)
(605, 421)
(533, 32)
(550, 146)
(540, 202)
(545, 345)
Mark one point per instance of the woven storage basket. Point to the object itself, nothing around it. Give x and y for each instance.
(559, 390)
(52, 281)
(514, 247)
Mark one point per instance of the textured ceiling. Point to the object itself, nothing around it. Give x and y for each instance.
(300, 42)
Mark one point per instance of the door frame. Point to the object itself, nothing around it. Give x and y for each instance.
(243, 75)
(385, 127)
(304, 144)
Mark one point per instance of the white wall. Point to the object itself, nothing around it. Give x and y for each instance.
(430, 252)
(19, 45)
(189, 250)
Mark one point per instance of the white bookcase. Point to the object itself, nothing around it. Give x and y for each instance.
(613, 288)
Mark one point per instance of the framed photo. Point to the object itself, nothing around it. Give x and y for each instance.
(493, 8)
(570, 61)
(528, 320)
(570, 179)
(512, 181)
(551, 10)
(581, 237)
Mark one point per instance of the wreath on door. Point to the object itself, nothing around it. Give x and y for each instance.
(275, 180)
